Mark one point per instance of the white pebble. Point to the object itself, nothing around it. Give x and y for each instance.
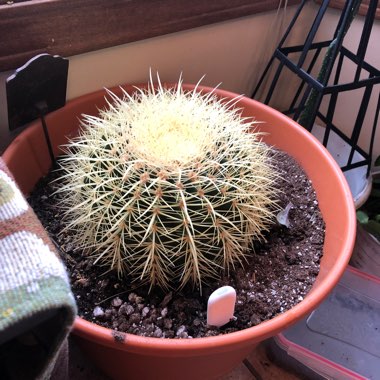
(98, 312)
(181, 329)
(164, 312)
(145, 311)
(116, 302)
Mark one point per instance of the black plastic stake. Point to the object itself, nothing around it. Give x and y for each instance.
(34, 90)
(42, 110)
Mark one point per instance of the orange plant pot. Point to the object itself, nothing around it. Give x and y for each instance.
(138, 357)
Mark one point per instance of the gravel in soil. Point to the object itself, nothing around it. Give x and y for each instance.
(278, 274)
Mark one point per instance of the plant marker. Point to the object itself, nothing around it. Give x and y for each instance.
(283, 216)
(221, 306)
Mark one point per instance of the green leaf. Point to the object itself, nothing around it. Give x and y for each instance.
(362, 217)
(375, 193)
(377, 218)
(373, 228)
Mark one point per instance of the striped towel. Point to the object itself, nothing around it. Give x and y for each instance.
(37, 307)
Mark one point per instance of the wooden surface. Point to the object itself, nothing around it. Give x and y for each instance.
(260, 367)
(69, 27)
(339, 4)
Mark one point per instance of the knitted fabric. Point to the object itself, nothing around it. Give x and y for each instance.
(37, 307)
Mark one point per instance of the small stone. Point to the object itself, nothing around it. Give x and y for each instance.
(164, 312)
(134, 318)
(255, 320)
(145, 311)
(168, 323)
(157, 333)
(149, 330)
(116, 302)
(169, 334)
(181, 329)
(123, 327)
(129, 309)
(108, 314)
(84, 282)
(123, 309)
(98, 312)
(115, 325)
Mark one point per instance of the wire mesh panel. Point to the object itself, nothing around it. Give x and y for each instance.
(320, 68)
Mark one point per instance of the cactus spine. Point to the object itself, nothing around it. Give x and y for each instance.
(167, 186)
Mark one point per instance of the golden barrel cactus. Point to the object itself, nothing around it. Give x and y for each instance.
(168, 186)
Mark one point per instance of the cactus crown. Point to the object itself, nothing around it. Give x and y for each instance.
(167, 185)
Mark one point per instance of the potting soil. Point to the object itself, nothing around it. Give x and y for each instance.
(277, 275)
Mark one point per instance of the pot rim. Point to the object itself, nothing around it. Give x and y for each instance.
(165, 346)
(264, 329)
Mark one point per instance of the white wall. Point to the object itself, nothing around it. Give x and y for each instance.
(229, 53)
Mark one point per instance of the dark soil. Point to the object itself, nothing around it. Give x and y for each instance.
(278, 275)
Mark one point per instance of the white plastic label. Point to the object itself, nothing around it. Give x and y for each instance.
(221, 306)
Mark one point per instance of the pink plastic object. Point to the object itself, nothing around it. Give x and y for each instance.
(340, 339)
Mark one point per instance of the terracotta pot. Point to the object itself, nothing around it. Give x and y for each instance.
(202, 358)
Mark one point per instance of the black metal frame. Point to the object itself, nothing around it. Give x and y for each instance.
(312, 90)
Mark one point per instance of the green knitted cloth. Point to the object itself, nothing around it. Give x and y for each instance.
(37, 307)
